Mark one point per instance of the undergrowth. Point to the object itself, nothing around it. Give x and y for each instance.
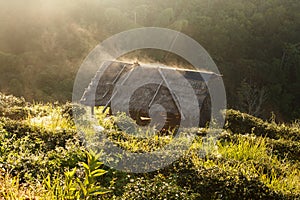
(44, 156)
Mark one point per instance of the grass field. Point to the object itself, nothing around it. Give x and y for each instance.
(42, 156)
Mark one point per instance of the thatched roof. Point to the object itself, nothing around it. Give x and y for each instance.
(135, 87)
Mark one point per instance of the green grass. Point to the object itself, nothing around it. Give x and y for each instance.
(50, 120)
(42, 156)
(251, 152)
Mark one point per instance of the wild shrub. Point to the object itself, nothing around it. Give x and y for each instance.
(241, 123)
(158, 188)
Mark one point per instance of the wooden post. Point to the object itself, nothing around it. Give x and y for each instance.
(92, 110)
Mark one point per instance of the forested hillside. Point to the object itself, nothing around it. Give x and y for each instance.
(256, 45)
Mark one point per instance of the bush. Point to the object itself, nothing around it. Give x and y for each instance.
(285, 149)
(160, 187)
(7, 101)
(13, 107)
(31, 152)
(214, 183)
(242, 123)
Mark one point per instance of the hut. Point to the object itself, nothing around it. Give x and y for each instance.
(135, 88)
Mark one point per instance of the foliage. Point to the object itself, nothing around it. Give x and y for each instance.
(254, 41)
(242, 123)
(75, 188)
(252, 159)
(159, 187)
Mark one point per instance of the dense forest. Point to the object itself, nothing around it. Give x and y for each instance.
(255, 43)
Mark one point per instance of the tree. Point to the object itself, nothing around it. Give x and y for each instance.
(251, 98)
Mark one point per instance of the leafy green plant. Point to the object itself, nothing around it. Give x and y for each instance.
(75, 187)
(92, 170)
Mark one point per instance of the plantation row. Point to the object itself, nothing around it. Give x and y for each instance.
(42, 156)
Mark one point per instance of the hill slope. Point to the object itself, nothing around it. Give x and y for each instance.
(39, 148)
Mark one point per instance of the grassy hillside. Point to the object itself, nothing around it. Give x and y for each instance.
(43, 157)
(255, 44)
